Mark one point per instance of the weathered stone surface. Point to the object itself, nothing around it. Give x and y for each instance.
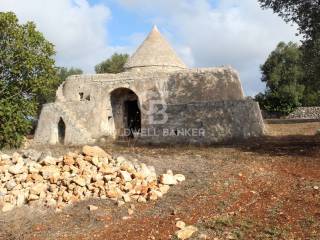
(95, 151)
(164, 189)
(125, 176)
(168, 179)
(11, 184)
(92, 208)
(38, 188)
(180, 177)
(68, 160)
(16, 169)
(7, 207)
(305, 113)
(32, 154)
(57, 182)
(180, 224)
(50, 172)
(80, 181)
(48, 160)
(186, 232)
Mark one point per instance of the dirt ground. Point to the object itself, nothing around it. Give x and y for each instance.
(261, 189)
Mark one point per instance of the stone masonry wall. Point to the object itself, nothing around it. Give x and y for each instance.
(305, 113)
(221, 121)
(83, 102)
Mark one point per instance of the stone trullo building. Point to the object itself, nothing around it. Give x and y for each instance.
(158, 98)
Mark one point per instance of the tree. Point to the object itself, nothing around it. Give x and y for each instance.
(311, 65)
(115, 64)
(282, 73)
(61, 75)
(306, 14)
(64, 73)
(27, 76)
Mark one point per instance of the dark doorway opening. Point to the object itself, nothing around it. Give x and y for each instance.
(61, 131)
(133, 117)
(126, 114)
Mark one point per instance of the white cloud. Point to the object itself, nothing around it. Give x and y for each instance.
(232, 32)
(204, 32)
(77, 28)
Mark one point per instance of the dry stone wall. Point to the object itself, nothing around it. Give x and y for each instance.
(305, 113)
(207, 123)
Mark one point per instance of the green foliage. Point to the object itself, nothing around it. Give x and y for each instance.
(311, 65)
(61, 75)
(115, 64)
(306, 14)
(27, 76)
(282, 73)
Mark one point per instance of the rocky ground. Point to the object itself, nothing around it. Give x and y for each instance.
(263, 189)
(36, 178)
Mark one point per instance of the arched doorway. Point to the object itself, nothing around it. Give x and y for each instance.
(61, 131)
(126, 112)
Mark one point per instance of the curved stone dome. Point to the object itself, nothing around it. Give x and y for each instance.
(155, 52)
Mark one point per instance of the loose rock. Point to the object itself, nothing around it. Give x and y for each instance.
(186, 232)
(168, 179)
(92, 208)
(56, 182)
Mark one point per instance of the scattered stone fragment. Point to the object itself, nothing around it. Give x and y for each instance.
(120, 203)
(204, 236)
(126, 198)
(38, 188)
(48, 160)
(50, 172)
(95, 151)
(168, 179)
(92, 208)
(68, 160)
(7, 207)
(33, 197)
(164, 189)
(142, 199)
(11, 185)
(130, 212)
(180, 177)
(180, 225)
(126, 176)
(80, 181)
(16, 169)
(186, 232)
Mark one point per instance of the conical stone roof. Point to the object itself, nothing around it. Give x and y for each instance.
(155, 52)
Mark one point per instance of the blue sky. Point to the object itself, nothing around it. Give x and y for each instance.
(123, 23)
(204, 33)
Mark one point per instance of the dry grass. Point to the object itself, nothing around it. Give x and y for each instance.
(263, 189)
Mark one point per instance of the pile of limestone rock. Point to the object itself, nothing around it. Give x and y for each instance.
(34, 179)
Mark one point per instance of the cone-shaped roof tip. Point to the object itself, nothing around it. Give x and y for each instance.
(155, 28)
(155, 51)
